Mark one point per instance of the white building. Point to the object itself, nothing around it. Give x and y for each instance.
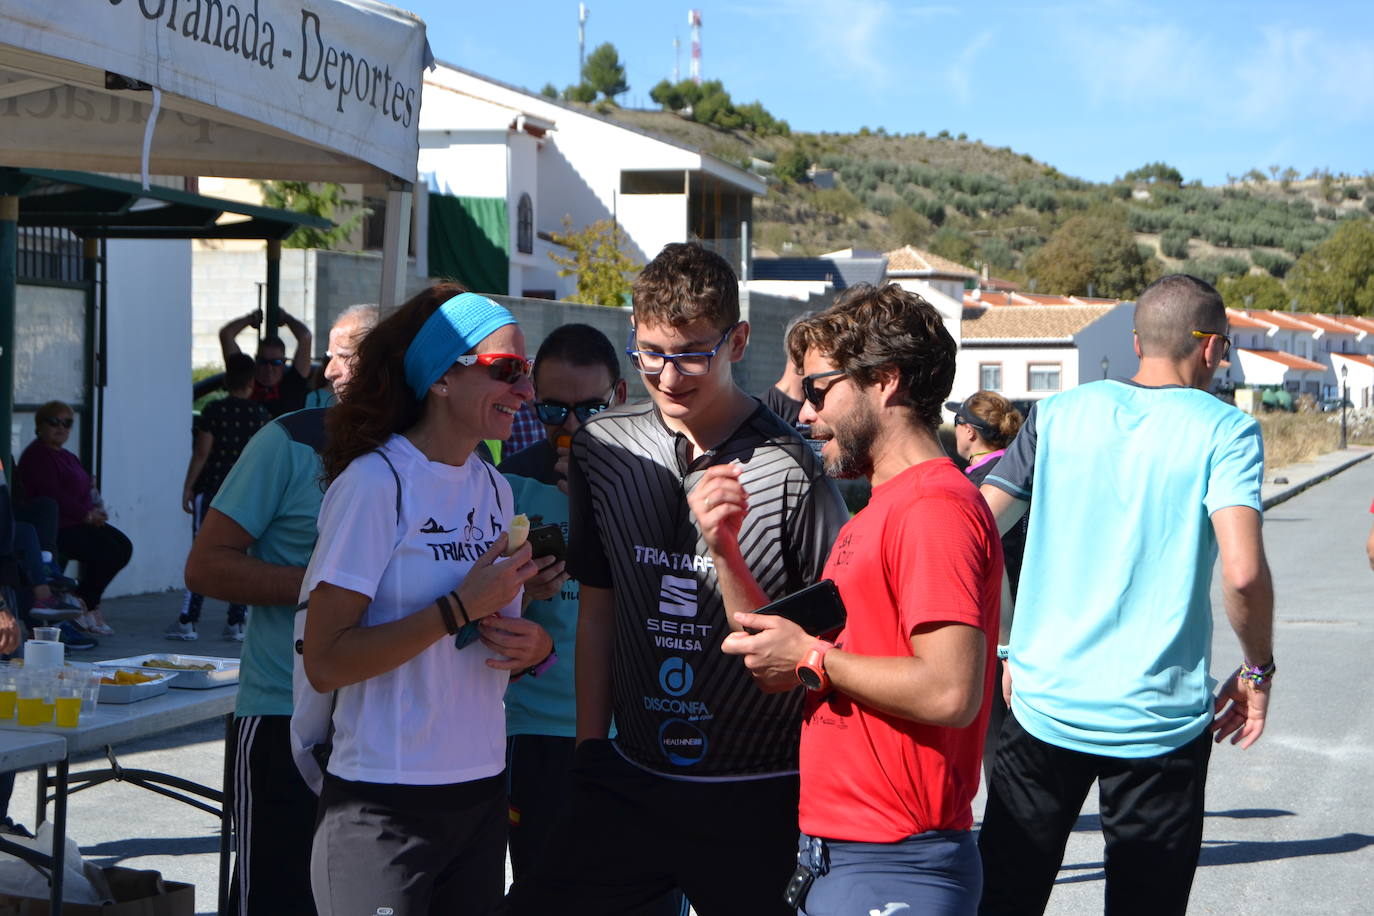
(499, 153)
(1028, 352)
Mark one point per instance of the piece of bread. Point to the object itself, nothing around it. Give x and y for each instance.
(517, 533)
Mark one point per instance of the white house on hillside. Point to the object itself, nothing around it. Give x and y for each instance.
(504, 167)
(1032, 351)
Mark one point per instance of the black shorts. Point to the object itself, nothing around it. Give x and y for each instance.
(628, 836)
(410, 850)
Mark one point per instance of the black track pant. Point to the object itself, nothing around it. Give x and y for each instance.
(1152, 811)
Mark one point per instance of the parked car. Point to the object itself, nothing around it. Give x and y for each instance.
(1330, 404)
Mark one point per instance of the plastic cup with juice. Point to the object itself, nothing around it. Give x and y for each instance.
(9, 689)
(67, 705)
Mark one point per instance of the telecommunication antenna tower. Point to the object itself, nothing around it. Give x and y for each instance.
(677, 59)
(582, 13)
(694, 20)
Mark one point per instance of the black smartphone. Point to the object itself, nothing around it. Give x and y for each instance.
(547, 541)
(817, 609)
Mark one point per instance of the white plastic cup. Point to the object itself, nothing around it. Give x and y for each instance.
(47, 634)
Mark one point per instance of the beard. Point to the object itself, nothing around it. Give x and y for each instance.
(854, 439)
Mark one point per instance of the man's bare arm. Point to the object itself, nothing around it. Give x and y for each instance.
(595, 650)
(301, 361)
(1242, 705)
(227, 344)
(219, 566)
(1007, 509)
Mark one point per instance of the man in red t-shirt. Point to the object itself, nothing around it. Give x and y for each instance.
(892, 739)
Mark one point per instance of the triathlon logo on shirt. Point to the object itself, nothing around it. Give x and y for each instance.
(432, 527)
(677, 597)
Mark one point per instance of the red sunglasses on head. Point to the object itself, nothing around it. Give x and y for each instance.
(503, 367)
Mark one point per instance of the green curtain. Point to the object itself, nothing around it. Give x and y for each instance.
(469, 241)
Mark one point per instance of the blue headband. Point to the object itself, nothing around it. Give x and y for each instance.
(460, 324)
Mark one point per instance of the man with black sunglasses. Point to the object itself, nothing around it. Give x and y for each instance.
(698, 789)
(1135, 487)
(280, 388)
(576, 377)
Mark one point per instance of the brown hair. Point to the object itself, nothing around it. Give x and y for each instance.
(996, 413)
(1170, 309)
(383, 403)
(51, 410)
(684, 283)
(871, 327)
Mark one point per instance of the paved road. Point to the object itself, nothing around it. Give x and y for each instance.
(1290, 826)
(1291, 821)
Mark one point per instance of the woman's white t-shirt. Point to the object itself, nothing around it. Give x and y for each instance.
(437, 719)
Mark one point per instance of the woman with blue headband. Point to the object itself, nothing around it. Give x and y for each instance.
(413, 619)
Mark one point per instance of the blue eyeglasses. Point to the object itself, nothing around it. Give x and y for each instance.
(651, 362)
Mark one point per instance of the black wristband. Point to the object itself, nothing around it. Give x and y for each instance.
(462, 610)
(446, 612)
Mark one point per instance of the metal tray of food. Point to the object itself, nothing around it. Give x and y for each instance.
(194, 672)
(137, 689)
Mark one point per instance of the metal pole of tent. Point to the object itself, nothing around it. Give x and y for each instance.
(272, 314)
(9, 306)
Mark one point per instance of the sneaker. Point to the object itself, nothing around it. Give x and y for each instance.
(233, 631)
(10, 828)
(74, 639)
(183, 631)
(56, 608)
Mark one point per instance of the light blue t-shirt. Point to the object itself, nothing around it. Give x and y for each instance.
(1112, 634)
(274, 494)
(544, 705)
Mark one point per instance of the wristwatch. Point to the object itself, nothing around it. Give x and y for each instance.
(811, 668)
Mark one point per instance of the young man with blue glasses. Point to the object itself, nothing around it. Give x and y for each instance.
(698, 789)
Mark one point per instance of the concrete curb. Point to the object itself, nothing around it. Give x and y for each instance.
(1291, 490)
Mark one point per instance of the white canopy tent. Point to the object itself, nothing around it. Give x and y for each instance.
(272, 89)
(327, 90)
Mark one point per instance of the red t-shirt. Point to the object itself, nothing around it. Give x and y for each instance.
(925, 550)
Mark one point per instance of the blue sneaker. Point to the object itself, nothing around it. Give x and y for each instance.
(74, 639)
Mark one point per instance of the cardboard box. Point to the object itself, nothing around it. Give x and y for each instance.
(137, 893)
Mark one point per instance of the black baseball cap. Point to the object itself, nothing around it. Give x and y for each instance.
(962, 413)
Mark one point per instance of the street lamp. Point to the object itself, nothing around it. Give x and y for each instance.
(1345, 391)
(1106, 363)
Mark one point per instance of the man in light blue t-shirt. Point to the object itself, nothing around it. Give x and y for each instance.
(252, 549)
(1137, 485)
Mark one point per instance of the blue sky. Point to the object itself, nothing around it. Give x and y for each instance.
(1095, 88)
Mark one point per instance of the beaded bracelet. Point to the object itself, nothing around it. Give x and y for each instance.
(1259, 675)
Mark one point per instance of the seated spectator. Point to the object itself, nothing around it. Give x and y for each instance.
(222, 430)
(47, 470)
(280, 388)
(28, 593)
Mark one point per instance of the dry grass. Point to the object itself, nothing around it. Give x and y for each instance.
(1291, 438)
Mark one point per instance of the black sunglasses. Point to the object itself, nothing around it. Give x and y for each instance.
(554, 413)
(271, 361)
(816, 396)
(64, 422)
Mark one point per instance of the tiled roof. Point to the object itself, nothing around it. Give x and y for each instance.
(1359, 322)
(1030, 322)
(1043, 299)
(1285, 320)
(1286, 359)
(1327, 323)
(915, 260)
(988, 297)
(1239, 319)
(1356, 358)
